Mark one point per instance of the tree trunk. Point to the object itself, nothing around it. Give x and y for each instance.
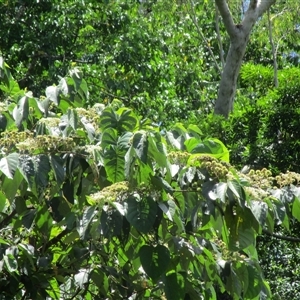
(239, 36)
(228, 83)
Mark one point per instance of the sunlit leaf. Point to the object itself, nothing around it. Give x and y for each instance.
(9, 164)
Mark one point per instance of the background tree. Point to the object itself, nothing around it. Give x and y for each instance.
(239, 36)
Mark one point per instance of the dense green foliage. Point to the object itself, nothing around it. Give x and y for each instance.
(89, 195)
(146, 55)
(64, 145)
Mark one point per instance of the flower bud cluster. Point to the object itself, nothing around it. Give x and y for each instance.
(178, 157)
(114, 192)
(9, 139)
(260, 178)
(216, 168)
(288, 178)
(46, 143)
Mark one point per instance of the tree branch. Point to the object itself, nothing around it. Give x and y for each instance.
(273, 51)
(193, 15)
(282, 237)
(219, 38)
(264, 5)
(227, 17)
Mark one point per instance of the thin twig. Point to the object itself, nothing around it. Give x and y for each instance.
(275, 65)
(200, 33)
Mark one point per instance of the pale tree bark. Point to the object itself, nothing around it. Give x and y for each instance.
(274, 55)
(239, 36)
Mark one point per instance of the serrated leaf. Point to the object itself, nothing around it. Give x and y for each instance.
(9, 164)
(154, 260)
(141, 213)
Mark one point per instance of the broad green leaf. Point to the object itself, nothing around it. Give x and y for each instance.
(237, 190)
(114, 163)
(43, 220)
(60, 208)
(114, 157)
(157, 150)
(141, 213)
(28, 250)
(73, 118)
(169, 208)
(9, 164)
(175, 286)
(140, 145)
(37, 112)
(242, 274)
(21, 111)
(53, 289)
(194, 129)
(260, 211)
(111, 223)
(26, 167)
(161, 184)
(254, 282)
(3, 122)
(123, 120)
(42, 168)
(11, 263)
(175, 141)
(221, 190)
(83, 225)
(57, 164)
(109, 137)
(213, 147)
(127, 121)
(191, 143)
(2, 201)
(154, 260)
(296, 208)
(109, 119)
(52, 92)
(28, 218)
(82, 277)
